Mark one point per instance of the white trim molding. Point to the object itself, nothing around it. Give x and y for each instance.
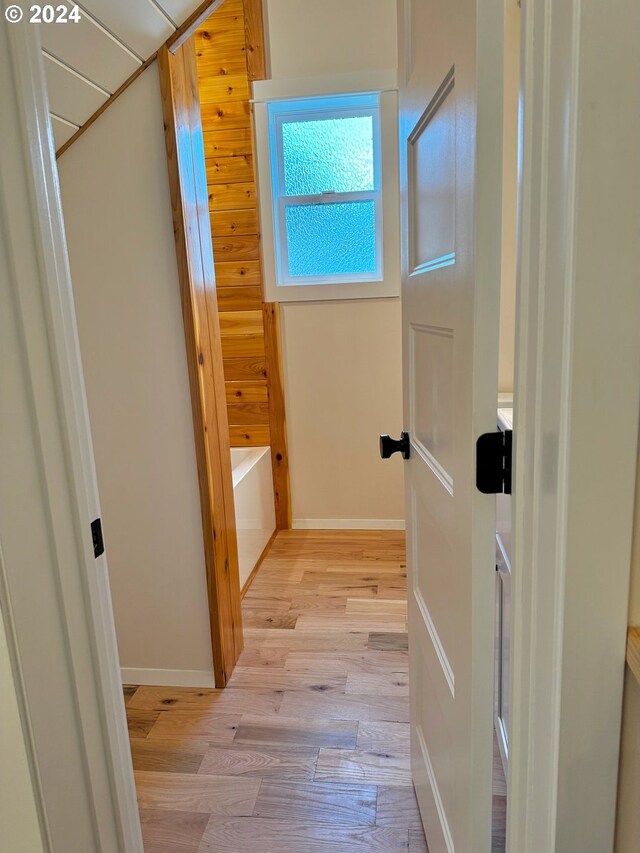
(348, 524)
(576, 419)
(168, 677)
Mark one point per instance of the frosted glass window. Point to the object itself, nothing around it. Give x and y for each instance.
(325, 159)
(328, 155)
(331, 239)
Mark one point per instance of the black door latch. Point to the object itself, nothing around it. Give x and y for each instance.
(96, 535)
(389, 446)
(493, 462)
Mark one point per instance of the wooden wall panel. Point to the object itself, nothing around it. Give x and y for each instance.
(224, 87)
(277, 420)
(240, 223)
(242, 346)
(249, 436)
(248, 413)
(232, 197)
(229, 49)
(243, 368)
(246, 392)
(230, 8)
(238, 274)
(226, 115)
(241, 323)
(237, 248)
(230, 169)
(224, 84)
(227, 143)
(239, 298)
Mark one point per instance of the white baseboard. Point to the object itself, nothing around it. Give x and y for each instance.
(348, 524)
(168, 677)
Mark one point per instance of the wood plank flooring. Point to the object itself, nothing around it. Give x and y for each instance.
(307, 749)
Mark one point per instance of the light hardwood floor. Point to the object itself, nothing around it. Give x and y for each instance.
(307, 749)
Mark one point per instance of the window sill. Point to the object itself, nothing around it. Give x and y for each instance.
(332, 291)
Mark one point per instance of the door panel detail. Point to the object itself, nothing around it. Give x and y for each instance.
(440, 814)
(432, 175)
(436, 589)
(430, 398)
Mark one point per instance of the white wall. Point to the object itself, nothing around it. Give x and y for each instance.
(343, 365)
(19, 825)
(308, 39)
(118, 218)
(343, 361)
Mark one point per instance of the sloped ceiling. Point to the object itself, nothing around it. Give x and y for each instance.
(86, 62)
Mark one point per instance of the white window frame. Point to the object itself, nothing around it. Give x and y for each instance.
(289, 97)
(319, 109)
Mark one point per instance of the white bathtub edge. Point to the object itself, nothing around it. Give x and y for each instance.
(240, 471)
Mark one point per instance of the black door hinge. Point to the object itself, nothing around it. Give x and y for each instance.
(493, 462)
(96, 535)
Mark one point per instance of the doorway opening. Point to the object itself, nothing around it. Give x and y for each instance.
(293, 579)
(323, 621)
(309, 741)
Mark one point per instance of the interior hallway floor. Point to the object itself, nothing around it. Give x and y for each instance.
(307, 749)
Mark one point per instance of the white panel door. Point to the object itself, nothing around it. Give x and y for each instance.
(451, 165)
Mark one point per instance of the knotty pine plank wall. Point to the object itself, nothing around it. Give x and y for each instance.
(224, 60)
(230, 55)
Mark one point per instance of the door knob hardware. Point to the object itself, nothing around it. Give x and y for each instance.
(389, 446)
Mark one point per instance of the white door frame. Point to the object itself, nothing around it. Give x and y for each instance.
(54, 595)
(576, 411)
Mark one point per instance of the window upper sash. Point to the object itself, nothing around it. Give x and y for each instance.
(287, 116)
(329, 198)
